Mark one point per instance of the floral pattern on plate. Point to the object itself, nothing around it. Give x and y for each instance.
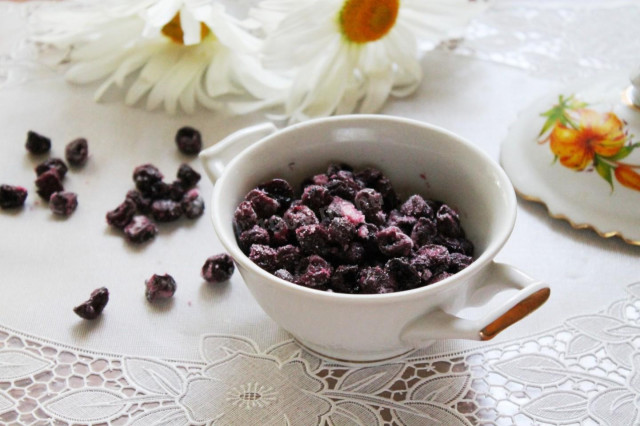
(585, 139)
(589, 174)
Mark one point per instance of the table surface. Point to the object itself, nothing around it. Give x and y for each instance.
(575, 361)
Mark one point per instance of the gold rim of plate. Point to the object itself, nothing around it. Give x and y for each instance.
(574, 225)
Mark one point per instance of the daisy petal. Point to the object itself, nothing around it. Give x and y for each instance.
(217, 81)
(379, 87)
(322, 100)
(135, 61)
(87, 72)
(190, 27)
(150, 74)
(207, 101)
(188, 97)
(159, 14)
(231, 35)
(259, 82)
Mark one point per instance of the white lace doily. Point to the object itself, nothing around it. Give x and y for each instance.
(586, 371)
(558, 39)
(527, 34)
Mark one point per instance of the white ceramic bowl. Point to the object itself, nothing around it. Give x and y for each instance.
(418, 158)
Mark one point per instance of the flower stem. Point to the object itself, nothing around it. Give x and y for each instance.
(614, 163)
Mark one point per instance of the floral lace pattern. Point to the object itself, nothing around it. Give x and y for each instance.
(19, 61)
(520, 33)
(586, 371)
(532, 35)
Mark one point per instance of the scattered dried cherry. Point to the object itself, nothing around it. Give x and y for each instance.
(430, 260)
(316, 197)
(122, 215)
(12, 196)
(374, 280)
(188, 176)
(52, 163)
(245, 216)
(448, 222)
(354, 253)
(459, 261)
(279, 232)
(341, 231)
(188, 140)
(94, 306)
(315, 272)
(77, 151)
(349, 232)
(263, 204)
(280, 190)
(48, 183)
(313, 238)
(160, 287)
(340, 207)
(300, 215)
(159, 190)
(283, 274)
(288, 257)
(37, 143)
(404, 222)
(403, 273)
(417, 207)
(393, 242)
(176, 190)
(345, 279)
(369, 202)
(142, 203)
(166, 210)
(63, 203)
(264, 256)
(140, 230)
(156, 199)
(192, 204)
(145, 176)
(255, 235)
(334, 168)
(218, 268)
(424, 232)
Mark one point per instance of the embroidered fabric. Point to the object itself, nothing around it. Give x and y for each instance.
(532, 35)
(586, 371)
(526, 34)
(19, 57)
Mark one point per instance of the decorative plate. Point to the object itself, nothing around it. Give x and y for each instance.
(578, 152)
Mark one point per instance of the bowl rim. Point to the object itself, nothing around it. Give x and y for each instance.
(494, 246)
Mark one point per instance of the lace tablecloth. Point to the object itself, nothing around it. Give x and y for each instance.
(211, 356)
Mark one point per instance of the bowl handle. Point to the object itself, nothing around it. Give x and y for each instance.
(215, 158)
(439, 324)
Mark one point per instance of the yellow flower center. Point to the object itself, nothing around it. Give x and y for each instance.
(173, 30)
(368, 20)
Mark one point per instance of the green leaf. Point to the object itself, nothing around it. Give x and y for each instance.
(623, 153)
(558, 113)
(604, 170)
(554, 115)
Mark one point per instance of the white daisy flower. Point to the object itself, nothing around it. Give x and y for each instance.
(351, 55)
(175, 53)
